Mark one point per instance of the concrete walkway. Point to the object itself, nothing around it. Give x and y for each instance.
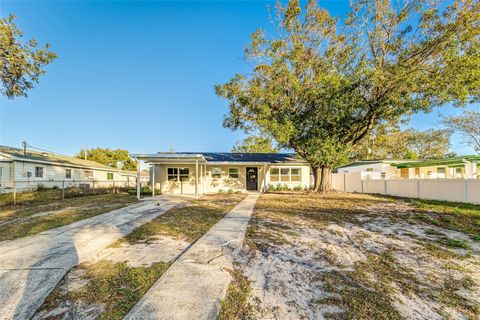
(194, 285)
(31, 267)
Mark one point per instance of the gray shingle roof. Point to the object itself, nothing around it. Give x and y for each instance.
(246, 157)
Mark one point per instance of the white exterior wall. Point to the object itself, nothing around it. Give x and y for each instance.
(207, 184)
(55, 176)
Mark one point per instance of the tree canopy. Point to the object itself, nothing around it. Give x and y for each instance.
(109, 157)
(467, 124)
(394, 143)
(255, 144)
(320, 85)
(21, 64)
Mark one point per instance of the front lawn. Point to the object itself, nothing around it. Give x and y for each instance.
(43, 211)
(353, 256)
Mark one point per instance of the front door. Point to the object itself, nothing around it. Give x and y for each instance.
(252, 179)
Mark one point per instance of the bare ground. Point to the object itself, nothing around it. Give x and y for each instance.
(347, 256)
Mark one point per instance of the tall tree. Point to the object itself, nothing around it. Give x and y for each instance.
(320, 85)
(21, 64)
(255, 144)
(393, 143)
(108, 157)
(467, 124)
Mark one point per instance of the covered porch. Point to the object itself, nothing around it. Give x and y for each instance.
(192, 174)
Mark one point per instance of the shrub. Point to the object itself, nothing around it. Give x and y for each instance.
(41, 187)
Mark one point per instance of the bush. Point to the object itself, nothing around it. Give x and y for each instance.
(41, 187)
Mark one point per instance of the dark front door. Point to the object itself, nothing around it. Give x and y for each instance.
(252, 179)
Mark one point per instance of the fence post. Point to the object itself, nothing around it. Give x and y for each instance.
(385, 186)
(361, 182)
(63, 190)
(114, 191)
(465, 190)
(14, 192)
(418, 188)
(344, 182)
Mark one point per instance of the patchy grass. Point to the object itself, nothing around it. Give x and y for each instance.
(20, 221)
(116, 286)
(463, 217)
(354, 256)
(189, 222)
(236, 305)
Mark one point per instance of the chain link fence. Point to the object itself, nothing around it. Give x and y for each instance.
(23, 191)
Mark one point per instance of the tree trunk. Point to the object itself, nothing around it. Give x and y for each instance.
(323, 179)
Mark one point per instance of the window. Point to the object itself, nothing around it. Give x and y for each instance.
(286, 174)
(68, 174)
(178, 174)
(295, 175)
(441, 172)
(216, 173)
(274, 175)
(1, 176)
(369, 170)
(404, 173)
(417, 172)
(38, 172)
(109, 175)
(233, 173)
(458, 173)
(88, 174)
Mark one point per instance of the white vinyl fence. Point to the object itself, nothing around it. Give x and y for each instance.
(456, 190)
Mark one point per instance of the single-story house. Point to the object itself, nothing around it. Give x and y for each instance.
(449, 168)
(211, 172)
(23, 169)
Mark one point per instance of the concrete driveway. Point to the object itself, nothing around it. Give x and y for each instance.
(31, 267)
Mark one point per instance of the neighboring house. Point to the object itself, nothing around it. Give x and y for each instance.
(210, 172)
(26, 169)
(450, 168)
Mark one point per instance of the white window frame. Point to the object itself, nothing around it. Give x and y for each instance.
(88, 176)
(177, 176)
(237, 173)
(66, 175)
(288, 175)
(43, 172)
(213, 175)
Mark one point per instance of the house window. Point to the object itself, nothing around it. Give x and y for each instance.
(178, 174)
(404, 173)
(458, 173)
(369, 170)
(285, 174)
(38, 172)
(274, 174)
(109, 175)
(441, 172)
(68, 174)
(417, 172)
(216, 173)
(88, 174)
(1, 176)
(233, 173)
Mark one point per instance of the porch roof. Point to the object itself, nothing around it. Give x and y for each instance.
(451, 162)
(221, 157)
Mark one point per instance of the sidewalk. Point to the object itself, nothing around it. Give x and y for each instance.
(31, 267)
(194, 285)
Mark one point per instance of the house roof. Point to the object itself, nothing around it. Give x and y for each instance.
(456, 161)
(366, 162)
(227, 157)
(36, 156)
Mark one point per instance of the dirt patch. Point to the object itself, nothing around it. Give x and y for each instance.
(345, 256)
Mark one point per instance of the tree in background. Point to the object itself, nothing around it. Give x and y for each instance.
(21, 64)
(109, 157)
(393, 143)
(320, 85)
(467, 124)
(254, 144)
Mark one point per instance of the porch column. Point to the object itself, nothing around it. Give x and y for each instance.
(138, 179)
(201, 180)
(196, 178)
(153, 180)
(205, 180)
(264, 177)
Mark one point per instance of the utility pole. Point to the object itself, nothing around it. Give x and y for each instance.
(85, 152)
(24, 145)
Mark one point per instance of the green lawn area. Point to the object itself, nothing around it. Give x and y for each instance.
(42, 210)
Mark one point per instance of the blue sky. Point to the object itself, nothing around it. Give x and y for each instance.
(139, 75)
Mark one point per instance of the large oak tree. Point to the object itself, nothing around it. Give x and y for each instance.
(321, 84)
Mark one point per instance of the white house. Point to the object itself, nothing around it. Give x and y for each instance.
(449, 168)
(211, 172)
(25, 170)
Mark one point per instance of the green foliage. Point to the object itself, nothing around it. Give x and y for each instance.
(109, 157)
(393, 143)
(255, 144)
(469, 125)
(320, 85)
(21, 64)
